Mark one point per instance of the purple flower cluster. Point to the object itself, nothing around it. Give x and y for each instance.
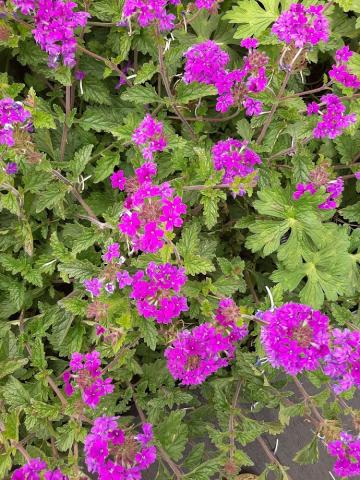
(112, 252)
(149, 12)
(94, 286)
(11, 114)
(237, 160)
(156, 291)
(295, 337)
(207, 4)
(25, 6)
(347, 451)
(11, 168)
(342, 363)
(206, 63)
(150, 137)
(333, 118)
(114, 454)
(334, 189)
(302, 26)
(85, 374)
(36, 469)
(229, 317)
(150, 210)
(340, 73)
(55, 24)
(198, 353)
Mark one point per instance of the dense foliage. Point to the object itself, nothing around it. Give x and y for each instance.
(178, 235)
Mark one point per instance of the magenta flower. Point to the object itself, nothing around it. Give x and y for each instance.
(150, 210)
(253, 107)
(36, 469)
(228, 316)
(25, 6)
(12, 114)
(198, 353)
(333, 120)
(150, 137)
(342, 363)
(206, 4)
(235, 158)
(112, 251)
(93, 286)
(11, 168)
(204, 62)
(343, 54)
(334, 189)
(55, 25)
(340, 73)
(118, 180)
(149, 12)
(357, 175)
(302, 26)
(85, 375)
(156, 292)
(295, 337)
(347, 451)
(124, 278)
(114, 454)
(249, 43)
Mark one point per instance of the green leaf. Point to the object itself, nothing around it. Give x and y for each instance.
(10, 366)
(15, 393)
(96, 91)
(252, 18)
(172, 433)
(80, 160)
(142, 95)
(79, 269)
(148, 331)
(309, 454)
(210, 200)
(38, 354)
(145, 73)
(186, 93)
(11, 424)
(206, 470)
(49, 198)
(351, 212)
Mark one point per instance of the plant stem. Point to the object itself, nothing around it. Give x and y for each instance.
(172, 465)
(308, 399)
(204, 187)
(211, 119)
(21, 449)
(65, 127)
(232, 421)
(273, 109)
(107, 62)
(91, 215)
(307, 92)
(270, 454)
(165, 79)
(251, 287)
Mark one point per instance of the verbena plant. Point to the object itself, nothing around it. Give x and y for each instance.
(178, 235)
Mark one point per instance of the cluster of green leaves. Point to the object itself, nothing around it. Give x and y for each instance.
(59, 213)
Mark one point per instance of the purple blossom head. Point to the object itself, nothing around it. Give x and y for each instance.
(347, 453)
(198, 353)
(206, 4)
(112, 252)
(302, 26)
(204, 61)
(25, 6)
(55, 25)
(253, 107)
(85, 375)
(112, 453)
(333, 120)
(342, 364)
(344, 54)
(340, 74)
(249, 43)
(148, 12)
(295, 337)
(93, 286)
(312, 108)
(12, 114)
(357, 175)
(235, 158)
(157, 292)
(228, 315)
(36, 469)
(80, 75)
(150, 137)
(11, 168)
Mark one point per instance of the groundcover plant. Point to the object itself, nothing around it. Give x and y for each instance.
(178, 236)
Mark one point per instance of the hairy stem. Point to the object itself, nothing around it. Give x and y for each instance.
(308, 400)
(232, 421)
(107, 62)
(21, 449)
(172, 465)
(274, 108)
(270, 454)
(65, 127)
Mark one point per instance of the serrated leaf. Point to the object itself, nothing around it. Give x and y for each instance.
(145, 73)
(15, 393)
(210, 200)
(172, 433)
(142, 95)
(252, 18)
(80, 160)
(148, 331)
(38, 354)
(10, 366)
(309, 454)
(185, 93)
